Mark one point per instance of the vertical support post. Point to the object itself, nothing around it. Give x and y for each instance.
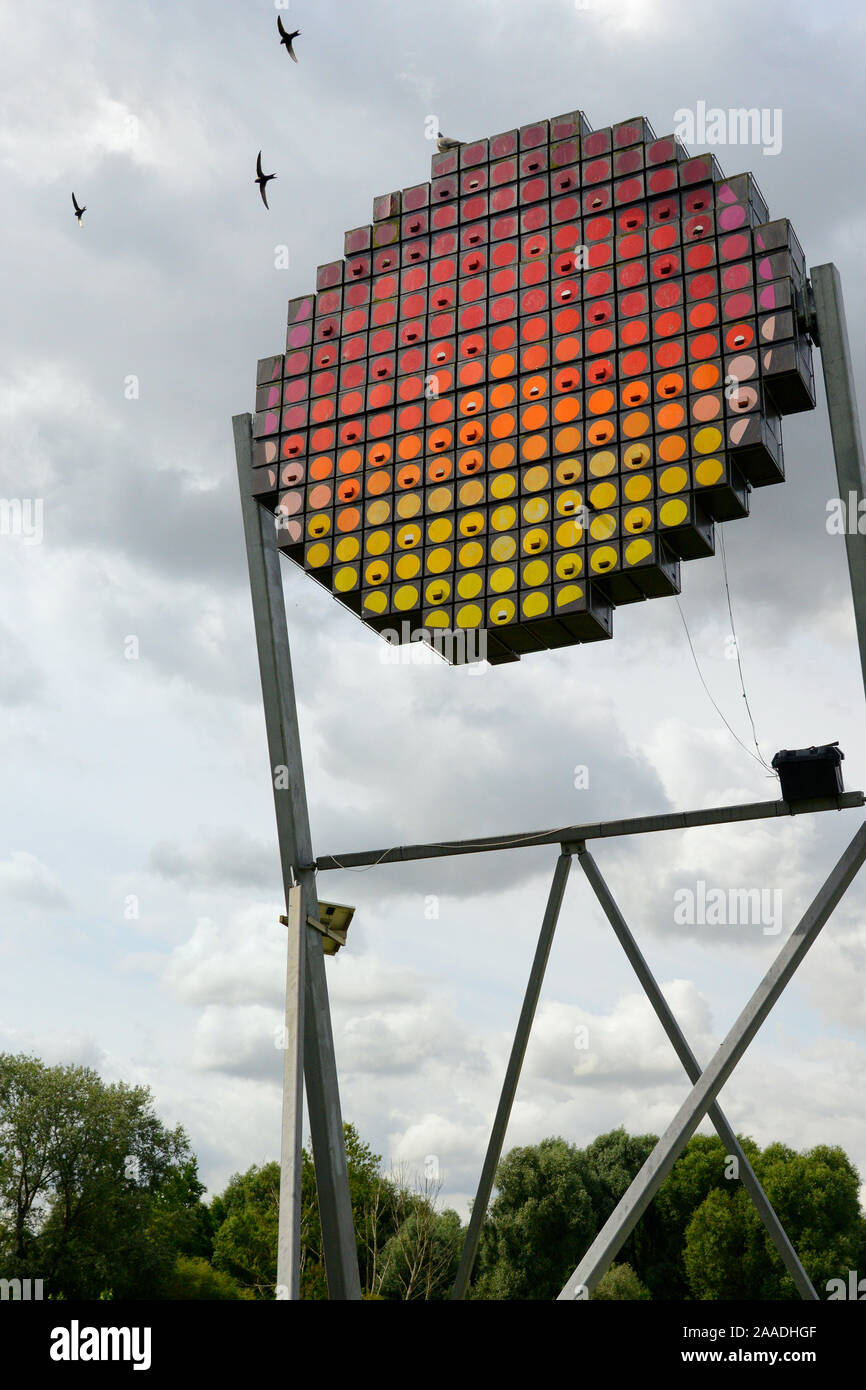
(289, 1234)
(832, 333)
(644, 1187)
(310, 1051)
(664, 1013)
(326, 1127)
(512, 1076)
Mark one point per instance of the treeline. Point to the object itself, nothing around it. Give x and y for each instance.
(100, 1200)
(701, 1237)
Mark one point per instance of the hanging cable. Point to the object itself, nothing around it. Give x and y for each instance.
(745, 747)
(737, 650)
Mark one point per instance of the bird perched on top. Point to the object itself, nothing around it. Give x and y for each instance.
(79, 212)
(443, 143)
(286, 38)
(263, 180)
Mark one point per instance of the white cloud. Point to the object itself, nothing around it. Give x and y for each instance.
(24, 879)
(241, 963)
(627, 1046)
(243, 1040)
(225, 856)
(65, 117)
(409, 1041)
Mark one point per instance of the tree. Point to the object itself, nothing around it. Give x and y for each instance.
(610, 1163)
(100, 1199)
(727, 1251)
(552, 1200)
(620, 1282)
(179, 1217)
(83, 1169)
(406, 1249)
(540, 1223)
(716, 1254)
(246, 1221)
(374, 1210)
(194, 1278)
(28, 1103)
(700, 1170)
(419, 1260)
(700, 1238)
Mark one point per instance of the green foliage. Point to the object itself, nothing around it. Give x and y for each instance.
(541, 1219)
(245, 1221)
(701, 1238)
(699, 1171)
(420, 1260)
(406, 1249)
(373, 1208)
(716, 1247)
(94, 1190)
(195, 1278)
(620, 1282)
(529, 1245)
(728, 1253)
(610, 1164)
(179, 1218)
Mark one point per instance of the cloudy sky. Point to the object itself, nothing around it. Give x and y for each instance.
(139, 879)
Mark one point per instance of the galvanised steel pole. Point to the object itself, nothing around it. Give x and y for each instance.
(831, 331)
(309, 1052)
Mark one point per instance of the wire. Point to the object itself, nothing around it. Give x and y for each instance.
(735, 736)
(362, 868)
(507, 844)
(537, 835)
(457, 844)
(737, 650)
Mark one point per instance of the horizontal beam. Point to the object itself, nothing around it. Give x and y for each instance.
(571, 836)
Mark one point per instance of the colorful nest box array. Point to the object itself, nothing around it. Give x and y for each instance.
(532, 385)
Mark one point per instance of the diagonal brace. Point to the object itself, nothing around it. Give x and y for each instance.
(512, 1076)
(775, 1229)
(663, 1157)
